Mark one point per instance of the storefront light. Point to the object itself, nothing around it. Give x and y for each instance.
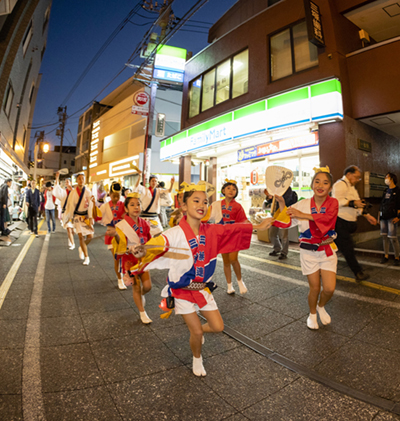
(102, 172)
(93, 165)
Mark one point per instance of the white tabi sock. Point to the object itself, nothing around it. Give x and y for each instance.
(242, 287)
(86, 261)
(312, 322)
(145, 318)
(81, 253)
(121, 284)
(323, 315)
(231, 290)
(198, 368)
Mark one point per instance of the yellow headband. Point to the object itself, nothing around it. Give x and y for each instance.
(135, 195)
(203, 186)
(230, 181)
(322, 169)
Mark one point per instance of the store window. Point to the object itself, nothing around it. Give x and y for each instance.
(291, 52)
(240, 78)
(208, 90)
(8, 100)
(194, 97)
(229, 79)
(223, 81)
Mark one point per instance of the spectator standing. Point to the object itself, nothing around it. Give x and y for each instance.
(42, 202)
(33, 203)
(50, 207)
(350, 208)
(3, 206)
(165, 203)
(389, 214)
(281, 245)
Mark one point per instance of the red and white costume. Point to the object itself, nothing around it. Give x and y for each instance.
(192, 259)
(313, 233)
(130, 234)
(222, 213)
(110, 215)
(63, 196)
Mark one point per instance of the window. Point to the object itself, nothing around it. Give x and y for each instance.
(31, 92)
(88, 118)
(8, 100)
(240, 79)
(208, 90)
(223, 81)
(65, 161)
(228, 80)
(27, 37)
(291, 52)
(80, 124)
(194, 97)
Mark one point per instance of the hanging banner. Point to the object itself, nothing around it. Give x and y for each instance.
(314, 23)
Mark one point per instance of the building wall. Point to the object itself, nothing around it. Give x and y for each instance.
(22, 70)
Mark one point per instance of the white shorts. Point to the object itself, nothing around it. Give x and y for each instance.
(81, 227)
(187, 307)
(313, 261)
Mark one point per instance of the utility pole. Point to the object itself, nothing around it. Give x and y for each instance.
(39, 137)
(62, 117)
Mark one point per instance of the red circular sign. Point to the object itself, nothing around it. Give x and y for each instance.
(141, 98)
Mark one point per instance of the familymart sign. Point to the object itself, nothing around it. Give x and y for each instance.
(318, 102)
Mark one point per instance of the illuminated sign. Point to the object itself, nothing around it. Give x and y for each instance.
(169, 64)
(94, 144)
(314, 23)
(123, 166)
(277, 146)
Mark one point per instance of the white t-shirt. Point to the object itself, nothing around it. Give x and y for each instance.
(49, 200)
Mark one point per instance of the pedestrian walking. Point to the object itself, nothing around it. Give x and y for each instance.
(316, 218)
(3, 206)
(42, 212)
(228, 211)
(129, 232)
(389, 216)
(49, 207)
(280, 237)
(33, 203)
(350, 208)
(189, 251)
(62, 194)
(81, 209)
(113, 212)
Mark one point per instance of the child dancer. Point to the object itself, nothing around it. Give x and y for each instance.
(127, 233)
(228, 211)
(80, 208)
(113, 212)
(316, 218)
(190, 250)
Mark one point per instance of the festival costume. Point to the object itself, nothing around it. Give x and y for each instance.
(192, 259)
(110, 215)
(130, 234)
(79, 208)
(62, 195)
(317, 249)
(222, 213)
(151, 207)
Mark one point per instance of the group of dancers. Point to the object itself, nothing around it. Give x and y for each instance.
(199, 233)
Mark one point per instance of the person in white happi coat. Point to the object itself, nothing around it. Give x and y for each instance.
(151, 203)
(62, 195)
(81, 209)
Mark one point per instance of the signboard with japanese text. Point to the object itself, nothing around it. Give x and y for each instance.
(314, 23)
(169, 64)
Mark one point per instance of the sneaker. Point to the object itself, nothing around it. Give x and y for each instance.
(323, 315)
(274, 253)
(396, 262)
(48, 232)
(81, 254)
(384, 260)
(282, 256)
(36, 235)
(312, 322)
(361, 276)
(86, 261)
(231, 290)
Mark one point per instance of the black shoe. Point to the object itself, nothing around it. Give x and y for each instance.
(361, 276)
(396, 262)
(282, 256)
(384, 260)
(274, 253)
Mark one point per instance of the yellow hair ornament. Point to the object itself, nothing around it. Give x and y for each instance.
(322, 169)
(230, 181)
(135, 195)
(203, 186)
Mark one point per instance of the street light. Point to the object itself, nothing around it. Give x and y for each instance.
(45, 148)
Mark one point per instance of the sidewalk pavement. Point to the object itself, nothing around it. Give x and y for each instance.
(97, 361)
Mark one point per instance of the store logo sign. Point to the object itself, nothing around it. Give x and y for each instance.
(208, 137)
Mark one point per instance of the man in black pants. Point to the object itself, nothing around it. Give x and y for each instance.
(350, 208)
(3, 206)
(33, 203)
